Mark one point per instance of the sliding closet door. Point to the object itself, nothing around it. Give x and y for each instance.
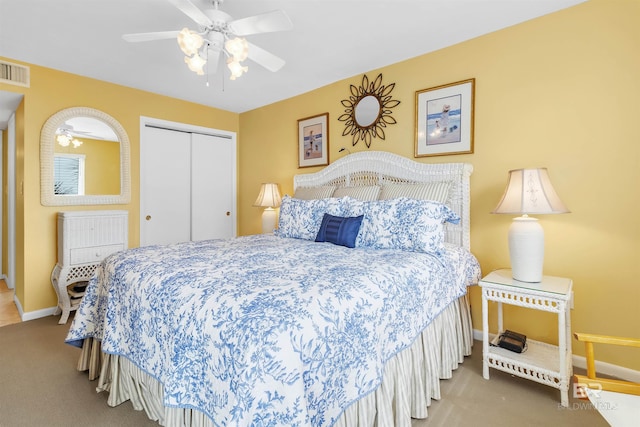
(165, 186)
(187, 185)
(212, 196)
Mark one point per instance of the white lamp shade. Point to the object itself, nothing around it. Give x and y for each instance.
(529, 191)
(189, 41)
(195, 63)
(236, 68)
(269, 196)
(238, 48)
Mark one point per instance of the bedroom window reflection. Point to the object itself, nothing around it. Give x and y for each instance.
(69, 174)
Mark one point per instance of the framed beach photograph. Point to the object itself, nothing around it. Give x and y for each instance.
(313, 141)
(444, 119)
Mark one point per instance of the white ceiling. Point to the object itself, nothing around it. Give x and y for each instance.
(331, 40)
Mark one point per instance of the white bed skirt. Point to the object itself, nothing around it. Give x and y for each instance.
(411, 378)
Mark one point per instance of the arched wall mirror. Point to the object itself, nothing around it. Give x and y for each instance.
(368, 110)
(84, 159)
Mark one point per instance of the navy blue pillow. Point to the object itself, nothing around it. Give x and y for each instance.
(339, 230)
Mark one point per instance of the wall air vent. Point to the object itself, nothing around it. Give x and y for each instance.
(14, 74)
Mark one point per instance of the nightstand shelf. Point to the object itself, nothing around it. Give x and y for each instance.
(541, 362)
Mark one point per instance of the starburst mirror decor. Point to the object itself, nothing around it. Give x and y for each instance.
(368, 110)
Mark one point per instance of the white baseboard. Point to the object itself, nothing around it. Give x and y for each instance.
(581, 362)
(17, 302)
(32, 315)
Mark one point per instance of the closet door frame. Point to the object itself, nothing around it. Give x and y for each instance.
(185, 127)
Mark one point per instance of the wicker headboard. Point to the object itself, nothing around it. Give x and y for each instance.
(380, 167)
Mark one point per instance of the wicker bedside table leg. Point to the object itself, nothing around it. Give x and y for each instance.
(64, 317)
(485, 336)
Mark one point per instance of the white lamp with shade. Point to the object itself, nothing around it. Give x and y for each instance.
(269, 198)
(529, 191)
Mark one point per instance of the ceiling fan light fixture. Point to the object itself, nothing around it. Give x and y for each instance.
(238, 48)
(236, 68)
(216, 37)
(195, 63)
(63, 139)
(189, 41)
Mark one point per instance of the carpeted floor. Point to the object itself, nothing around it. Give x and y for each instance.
(504, 400)
(39, 386)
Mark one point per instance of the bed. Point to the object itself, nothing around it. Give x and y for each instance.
(348, 315)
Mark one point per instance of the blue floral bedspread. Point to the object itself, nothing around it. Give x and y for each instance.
(264, 330)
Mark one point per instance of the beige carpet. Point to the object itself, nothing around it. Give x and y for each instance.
(39, 386)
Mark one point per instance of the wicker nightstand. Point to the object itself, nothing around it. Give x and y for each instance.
(541, 362)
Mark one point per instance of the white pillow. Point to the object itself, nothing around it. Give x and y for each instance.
(301, 219)
(309, 193)
(364, 193)
(437, 191)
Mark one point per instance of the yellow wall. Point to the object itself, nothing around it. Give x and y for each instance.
(559, 92)
(50, 92)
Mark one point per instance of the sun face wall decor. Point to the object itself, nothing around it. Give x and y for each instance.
(368, 110)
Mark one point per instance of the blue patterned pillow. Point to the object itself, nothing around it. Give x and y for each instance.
(339, 230)
(402, 223)
(301, 219)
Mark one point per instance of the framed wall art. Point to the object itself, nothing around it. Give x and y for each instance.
(444, 119)
(313, 141)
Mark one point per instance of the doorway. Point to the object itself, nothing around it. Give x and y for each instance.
(9, 102)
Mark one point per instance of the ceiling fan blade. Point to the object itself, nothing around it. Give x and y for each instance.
(145, 37)
(264, 58)
(192, 12)
(80, 132)
(268, 22)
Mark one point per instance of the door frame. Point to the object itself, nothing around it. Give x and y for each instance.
(10, 273)
(185, 127)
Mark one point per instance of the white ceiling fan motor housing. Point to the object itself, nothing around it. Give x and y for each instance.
(219, 18)
(216, 41)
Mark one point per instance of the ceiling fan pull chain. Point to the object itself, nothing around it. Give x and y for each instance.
(207, 65)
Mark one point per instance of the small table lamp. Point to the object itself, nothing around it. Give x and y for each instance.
(269, 198)
(529, 191)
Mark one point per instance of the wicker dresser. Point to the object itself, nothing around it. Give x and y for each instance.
(85, 238)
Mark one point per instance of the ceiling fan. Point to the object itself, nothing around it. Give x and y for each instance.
(66, 134)
(75, 128)
(219, 34)
(68, 128)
